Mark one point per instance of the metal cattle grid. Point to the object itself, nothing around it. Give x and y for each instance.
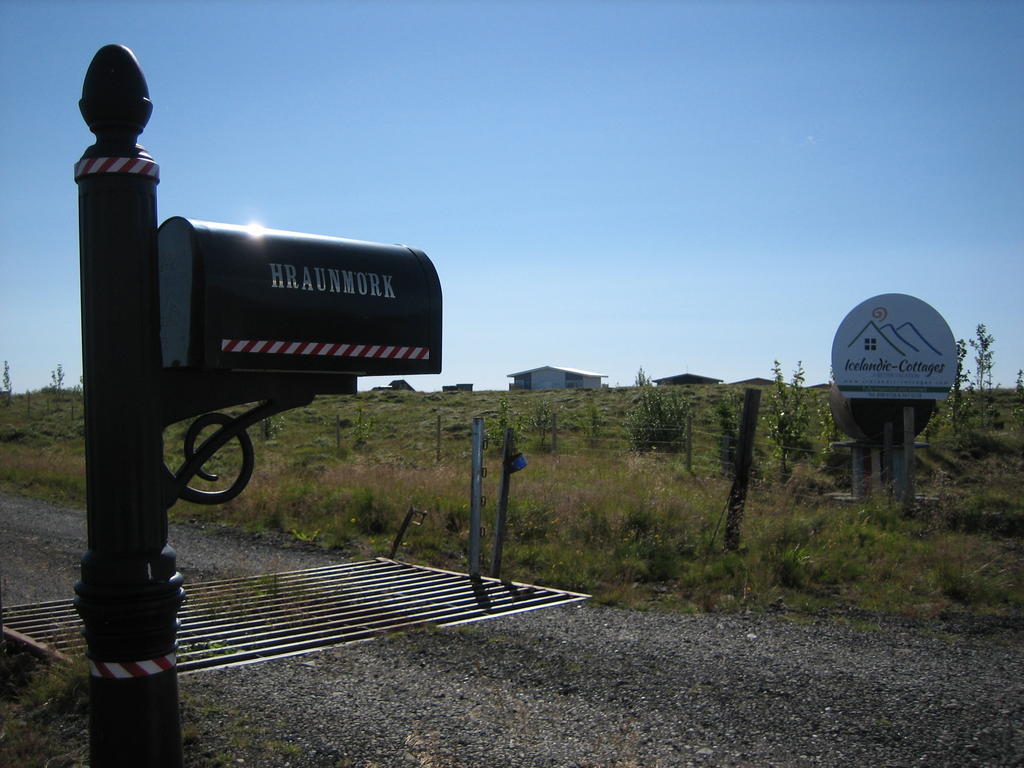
(251, 619)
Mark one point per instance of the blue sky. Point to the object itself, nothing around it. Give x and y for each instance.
(682, 186)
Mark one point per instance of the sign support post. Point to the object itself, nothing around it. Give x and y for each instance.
(909, 493)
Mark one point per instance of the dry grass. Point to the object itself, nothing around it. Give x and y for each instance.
(640, 530)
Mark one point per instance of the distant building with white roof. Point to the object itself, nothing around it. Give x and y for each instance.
(555, 377)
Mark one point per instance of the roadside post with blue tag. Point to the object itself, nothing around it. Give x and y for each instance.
(511, 462)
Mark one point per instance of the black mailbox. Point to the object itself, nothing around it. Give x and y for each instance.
(244, 298)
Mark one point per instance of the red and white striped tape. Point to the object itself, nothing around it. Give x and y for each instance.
(126, 669)
(135, 165)
(377, 351)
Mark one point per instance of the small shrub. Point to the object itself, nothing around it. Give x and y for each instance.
(1017, 411)
(541, 423)
(658, 420)
(271, 426)
(506, 418)
(592, 420)
(788, 416)
(959, 409)
(6, 383)
(57, 380)
(362, 427)
(791, 566)
(983, 362)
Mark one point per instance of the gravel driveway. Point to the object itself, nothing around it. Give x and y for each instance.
(578, 685)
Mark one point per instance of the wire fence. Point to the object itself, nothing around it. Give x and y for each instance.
(422, 431)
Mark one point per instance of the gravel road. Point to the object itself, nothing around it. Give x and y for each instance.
(578, 685)
(41, 546)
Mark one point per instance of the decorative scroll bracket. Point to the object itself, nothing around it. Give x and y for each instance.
(192, 393)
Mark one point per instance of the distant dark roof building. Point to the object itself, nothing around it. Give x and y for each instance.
(757, 381)
(687, 378)
(400, 385)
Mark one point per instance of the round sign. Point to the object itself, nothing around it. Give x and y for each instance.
(894, 346)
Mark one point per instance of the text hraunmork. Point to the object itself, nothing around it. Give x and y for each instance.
(329, 280)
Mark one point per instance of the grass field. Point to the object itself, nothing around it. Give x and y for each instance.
(636, 529)
(643, 530)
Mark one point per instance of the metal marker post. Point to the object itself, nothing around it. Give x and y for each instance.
(129, 593)
(476, 495)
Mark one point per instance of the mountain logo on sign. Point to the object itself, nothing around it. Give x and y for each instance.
(907, 333)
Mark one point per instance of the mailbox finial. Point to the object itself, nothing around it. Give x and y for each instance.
(115, 97)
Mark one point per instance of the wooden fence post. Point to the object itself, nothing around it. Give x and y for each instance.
(744, 462)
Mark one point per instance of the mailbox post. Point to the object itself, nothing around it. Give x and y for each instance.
(129, 591)
(177, 323)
